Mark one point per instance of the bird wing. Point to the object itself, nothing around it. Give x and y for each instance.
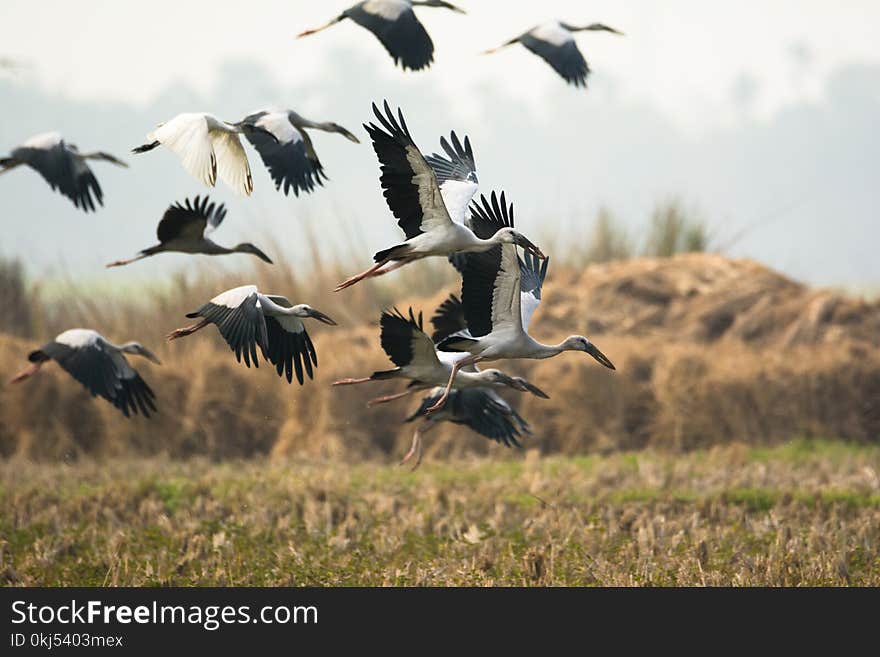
(532, 275)
(64, 170)
(448, 319)
(106, 373)
(287, 159)
(456, 175)
(403, 36)
(404, 340)
(490, 287)
(187, 136)
(238, 317)
(290, 348)
(566, 59)
(232, 163)
(411, 188)
(190, 221)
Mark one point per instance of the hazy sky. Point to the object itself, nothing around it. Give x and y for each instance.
(754, 114)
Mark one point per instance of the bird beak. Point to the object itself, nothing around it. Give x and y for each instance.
(457, 9)
(321, 317)
(521, 384)
(345, 133)
(262, 256)
(531, 248)
(593, 350)
(149, 355)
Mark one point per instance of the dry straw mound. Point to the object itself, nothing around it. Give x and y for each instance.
(709, 350)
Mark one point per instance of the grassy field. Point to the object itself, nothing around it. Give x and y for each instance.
(804, 513)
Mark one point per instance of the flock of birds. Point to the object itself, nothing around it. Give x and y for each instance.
(431, 196)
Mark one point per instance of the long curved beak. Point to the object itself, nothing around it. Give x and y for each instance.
(262, 256)
(345, 133)
(457, 9)
(521, 384)
(321, 317)
(593, 350)
(149, 355)
(531, 248)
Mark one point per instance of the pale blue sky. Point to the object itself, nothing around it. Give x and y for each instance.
(759, 115)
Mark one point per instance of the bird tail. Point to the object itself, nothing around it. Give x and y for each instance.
(396, 251)
(145, 147)
(456, 343)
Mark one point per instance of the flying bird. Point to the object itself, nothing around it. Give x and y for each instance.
(481, 409)
(554, 43)
(499, 295)
(247, 319)
(394, 23)
(413, 194)
(412, 351)
(185, 229)
(207, 148)
(100, 366)
(62, 166)
(286, 148)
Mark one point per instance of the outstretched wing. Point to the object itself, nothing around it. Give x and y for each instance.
(490, 286)
(403, 36)
(565, 58)
(191, 220)
(105, 374)
(63, 168)
(532, 274)
(411, 188)
(187, 136)
(290, 161)
(232, 163)
(448, 319)
(404, 340)
(457, 176)
(238, 317)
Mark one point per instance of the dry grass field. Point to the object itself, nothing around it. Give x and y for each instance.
(804, 513)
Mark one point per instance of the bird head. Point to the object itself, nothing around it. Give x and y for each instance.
(511, 236)
(302, 310)
(247, 247)
(580, 343)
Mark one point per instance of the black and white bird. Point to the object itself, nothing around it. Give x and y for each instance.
(412, 351)
(247, 319)
(481, 409)
(62, 166)
(413, 194)
(207, 148)
(499, 293)
(100, 366)
(185, 229)
(554, 43)
(456, 174)
(290, 157)
(394, 23)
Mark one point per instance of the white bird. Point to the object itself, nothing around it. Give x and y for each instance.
(290, 156)
(416, 359)
(100, 366)
(414, 197)
(481, 409)
(499, 294)
(554, 43)
(185, 229)
(207, 148)
(247, 318)
(395, 24)
(62, 166)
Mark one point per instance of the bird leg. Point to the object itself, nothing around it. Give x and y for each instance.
(384, 399)
(186, 330)
(26, 373)
(318, 29)
(348, 282)
(416, 447)
(348, 382)
(455, 367)
(396, 265)
(119, 263)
